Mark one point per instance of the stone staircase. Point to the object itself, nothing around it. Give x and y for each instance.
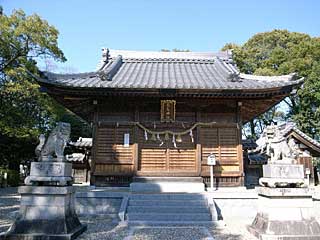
(165, 208)
(167, 184)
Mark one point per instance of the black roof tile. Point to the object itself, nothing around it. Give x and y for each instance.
(161, 70)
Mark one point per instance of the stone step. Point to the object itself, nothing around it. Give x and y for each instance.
(176, 203)
(170, 186)
(168, 179)
(210, 223)
(169, 217)
(165, 197)
(167, 209)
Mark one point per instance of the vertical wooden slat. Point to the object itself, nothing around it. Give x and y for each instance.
(198, 158)
(167, 159)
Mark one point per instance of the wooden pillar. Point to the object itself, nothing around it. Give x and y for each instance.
(136, 141)
(240, 152)
(198, 145)
(95, 122)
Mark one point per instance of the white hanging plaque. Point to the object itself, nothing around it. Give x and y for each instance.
(126, 140)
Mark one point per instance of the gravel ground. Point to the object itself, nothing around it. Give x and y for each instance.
(103, 227)
(170, 233)
(106, 227)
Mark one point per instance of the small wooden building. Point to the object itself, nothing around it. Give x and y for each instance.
(81, 159)
(162, 113)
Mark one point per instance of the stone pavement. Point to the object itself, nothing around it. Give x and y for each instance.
(107, 227)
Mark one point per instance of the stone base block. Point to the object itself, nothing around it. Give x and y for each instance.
(50, 173)
(278, 170)
(285, 213)
(46, 213)
(281, 182)
(265, 229)
(40, 236)
(282, 175)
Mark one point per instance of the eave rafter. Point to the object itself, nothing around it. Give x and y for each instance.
(81, 101)
(252, 109)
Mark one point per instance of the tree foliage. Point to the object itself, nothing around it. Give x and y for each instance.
(23, 109)
(25, 112)
(282, 52)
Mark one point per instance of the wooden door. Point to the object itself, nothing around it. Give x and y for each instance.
(166, 159)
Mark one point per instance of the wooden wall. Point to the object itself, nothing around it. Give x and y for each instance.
(147, 158)
(224, 143)
(111, 157)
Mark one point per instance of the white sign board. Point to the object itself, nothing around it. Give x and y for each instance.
(126, 140)
(211, 160)
(308, 171)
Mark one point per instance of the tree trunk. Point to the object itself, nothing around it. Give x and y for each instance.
(252, 129)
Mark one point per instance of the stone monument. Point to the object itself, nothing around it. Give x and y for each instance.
(285, 206)
(47, 206)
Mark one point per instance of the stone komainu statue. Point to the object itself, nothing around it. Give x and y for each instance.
(55, 143)
(276, 146)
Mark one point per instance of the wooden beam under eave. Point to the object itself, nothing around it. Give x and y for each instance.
(75, 98)
(253, 108)
(82, 108)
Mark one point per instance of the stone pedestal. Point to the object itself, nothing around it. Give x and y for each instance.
(285, 214)
(46, 213)
(50, 173)
(283, 175)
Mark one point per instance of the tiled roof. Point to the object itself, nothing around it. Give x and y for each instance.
(249, 144)
(289, 127)
(286, 130)
(257, 158)
(75, 157)
(168, 70)
(82, 143)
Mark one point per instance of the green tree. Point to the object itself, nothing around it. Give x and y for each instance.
(25, 112)
(282, 52)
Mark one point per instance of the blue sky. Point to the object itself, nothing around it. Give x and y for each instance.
(87, 26)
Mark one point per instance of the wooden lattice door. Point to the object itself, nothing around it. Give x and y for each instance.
(166, 159)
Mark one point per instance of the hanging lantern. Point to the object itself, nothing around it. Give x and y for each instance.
(179, 139)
